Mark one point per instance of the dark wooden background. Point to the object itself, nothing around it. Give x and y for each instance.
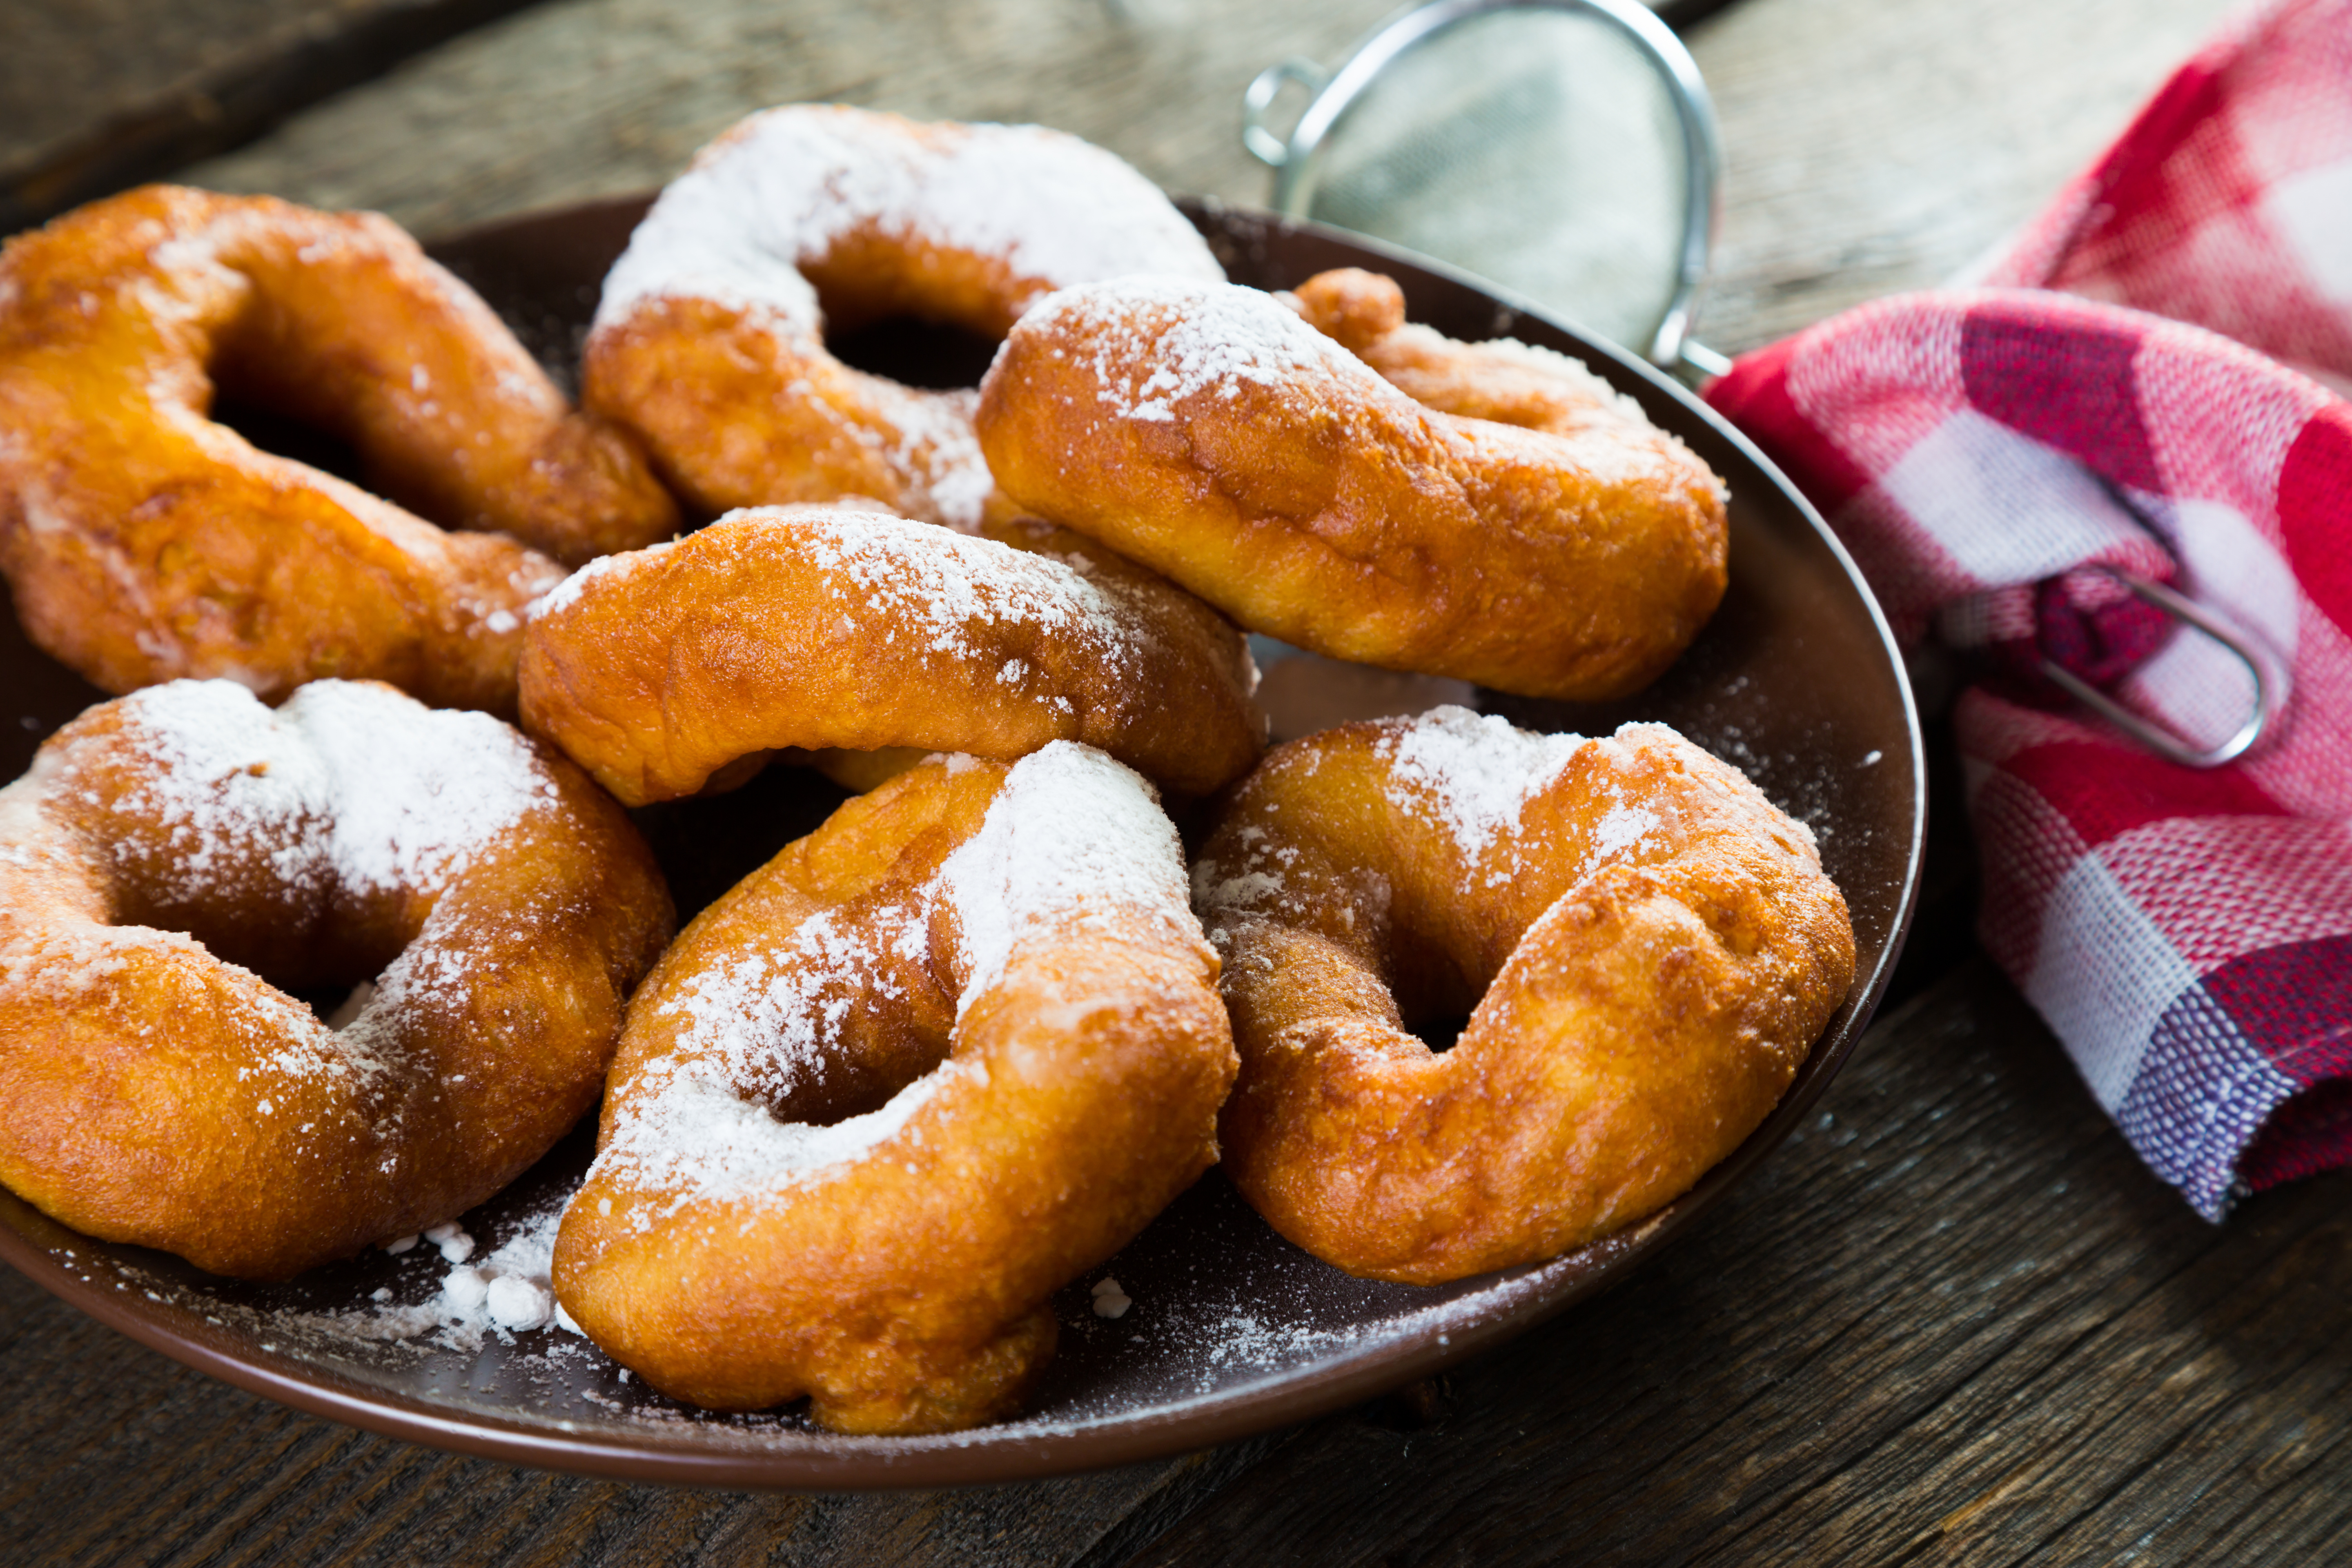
(1953, 1320)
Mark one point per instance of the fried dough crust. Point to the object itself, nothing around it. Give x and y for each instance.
(1644, 945)
(1524, 529)
(880, 1101)
(710, 339)
(155, 1089)
(146, 543)
(818, 627)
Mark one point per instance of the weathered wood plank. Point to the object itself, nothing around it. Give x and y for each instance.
(113, 1455)
(98, 95)
(1872, 147)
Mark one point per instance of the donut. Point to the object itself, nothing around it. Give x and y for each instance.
(710, 339)
(880, 1101)
(166, 846)
(146, 543)
(1645, 948)
(1211, 433)
(1503, 381)
(815, 626)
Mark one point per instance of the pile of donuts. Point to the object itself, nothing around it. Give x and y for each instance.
(874, 1105)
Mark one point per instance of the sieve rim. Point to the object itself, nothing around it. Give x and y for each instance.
(1297, 160)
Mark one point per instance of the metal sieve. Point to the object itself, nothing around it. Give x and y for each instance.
(1565, 149)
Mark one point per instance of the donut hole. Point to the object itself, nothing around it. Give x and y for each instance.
(1440, 1032)
(871, 1058)
(936, 357)
(332, 1005)
(923, 316)
(250, 897)
(282, 435)
(1436, 990)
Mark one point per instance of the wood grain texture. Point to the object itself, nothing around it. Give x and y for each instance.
(1872, 147)
(99, 95)
(584, 98)
(115, 1455)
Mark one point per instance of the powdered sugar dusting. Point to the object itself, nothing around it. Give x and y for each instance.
(773, 1017)
(785, 185)
(348, 779)
(564, 594)
(1557, 366)
(698, 1141)
(932, 446)
(953, 593)
(1074, 840)
(508, 1292)
(1474, 774)
(1157, 340)
(1071, 838)
(1620, 827)
(418, 791)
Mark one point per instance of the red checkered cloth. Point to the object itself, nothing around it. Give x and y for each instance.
(1987, 456)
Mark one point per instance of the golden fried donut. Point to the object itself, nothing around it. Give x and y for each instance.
(155, 1089)
(837, 626)
(146, 543)
(929, 1064)
(710, 339)
(1644, 945)
(1505, 381)
(1208, 432)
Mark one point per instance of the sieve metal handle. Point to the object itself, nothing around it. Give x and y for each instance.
(2163, 742)
(1264, 145)
(1296, 162)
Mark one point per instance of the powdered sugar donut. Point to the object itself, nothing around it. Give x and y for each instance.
(1644, 945)
(710, 338)
(880, 1101)
(155, 1089)
(146, 543)
(838, 625)
(1553, 545)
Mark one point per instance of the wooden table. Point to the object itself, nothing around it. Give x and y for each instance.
(1953, 1320)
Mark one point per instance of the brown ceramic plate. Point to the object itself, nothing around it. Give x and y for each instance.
(1232, 1330)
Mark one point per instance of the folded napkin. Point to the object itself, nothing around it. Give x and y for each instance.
(2119, 402)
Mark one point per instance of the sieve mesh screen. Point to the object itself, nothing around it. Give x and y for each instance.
(1538, 148)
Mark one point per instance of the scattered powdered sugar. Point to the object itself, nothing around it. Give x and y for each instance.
(947, 586)
(348, 779)
(785, 185)
(1474, 773)
(1072, 837)
(228, 780)
(432, 975)
(1073, 840)
(1156, 341)
(564, 594)
(451, 1238)
(508, 1292)
(417, 791)
(936, 454)
(699, 1141)
(773, 1017)
(1620, 827)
